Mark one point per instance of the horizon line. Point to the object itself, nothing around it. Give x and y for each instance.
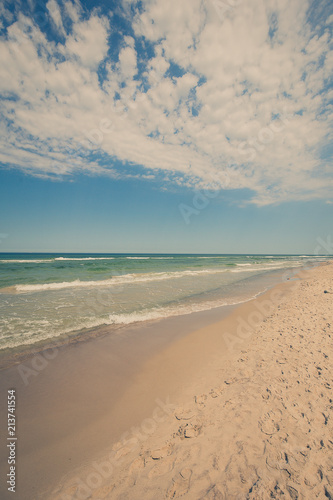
(165, 253)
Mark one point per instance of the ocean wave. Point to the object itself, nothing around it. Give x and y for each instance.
(165, 312)
(177, 310)
(161, 258)
(144, 277)
(138, 258)
(268, 267)
(212, 257)
(148, 258)
(25, 261)
(116, 280)
(84, 258)
(40, 261)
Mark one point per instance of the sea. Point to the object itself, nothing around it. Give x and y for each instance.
(46, 297)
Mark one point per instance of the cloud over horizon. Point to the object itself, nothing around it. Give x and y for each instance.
(198, 93)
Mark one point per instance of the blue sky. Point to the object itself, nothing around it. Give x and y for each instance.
(151, 126)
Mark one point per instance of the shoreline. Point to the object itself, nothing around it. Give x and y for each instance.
(164, 370)
(13, 355)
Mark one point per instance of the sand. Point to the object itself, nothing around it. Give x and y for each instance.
(247, 415)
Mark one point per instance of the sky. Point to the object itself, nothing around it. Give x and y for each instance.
(196, 126)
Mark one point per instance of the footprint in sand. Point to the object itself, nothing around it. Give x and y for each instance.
(214, 493)
(213, 393)
(267, 394)
(122, 452)
(191, 453)
(275, 459)
(312, 477)
(200, 400)
(137, 464)
(230, 381)
(243, 359)
(293, 491)
(269, 424)
(189, 430)
(185, 413)
(181, 484)
(161, 452)
(220, 389)
(192, 430)
(267, 488)
(284, 460)
(161, 467)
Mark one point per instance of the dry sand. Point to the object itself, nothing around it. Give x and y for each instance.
(251, 415)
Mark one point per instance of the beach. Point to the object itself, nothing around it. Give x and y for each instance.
(255, 424)
(232, 404)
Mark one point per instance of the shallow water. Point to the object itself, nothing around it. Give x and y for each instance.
(45, 296)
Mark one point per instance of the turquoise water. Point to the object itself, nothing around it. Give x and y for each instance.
(43, 296)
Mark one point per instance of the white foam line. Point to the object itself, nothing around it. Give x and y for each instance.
(167, 312)
(84, 258)
(117, 280)
(40, 261)
(272, 267)
(137, 258)
(26, 261)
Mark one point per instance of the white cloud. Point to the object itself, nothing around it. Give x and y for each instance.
(127, 63)
(55, 15)
(73, 10)
(88, 42)
(241, 97)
